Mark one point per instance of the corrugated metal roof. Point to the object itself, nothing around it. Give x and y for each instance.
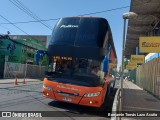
(148, 18)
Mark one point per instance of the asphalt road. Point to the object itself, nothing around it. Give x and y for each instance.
(29, 98)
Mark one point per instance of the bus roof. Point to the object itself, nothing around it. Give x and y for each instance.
(80, 37)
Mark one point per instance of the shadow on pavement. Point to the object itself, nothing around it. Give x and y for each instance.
(139, 100)
(84, 111)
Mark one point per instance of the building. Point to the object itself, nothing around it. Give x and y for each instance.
(43, 39)
(146, 24)
(20, 50)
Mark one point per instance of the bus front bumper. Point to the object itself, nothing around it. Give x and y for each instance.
(81, 100)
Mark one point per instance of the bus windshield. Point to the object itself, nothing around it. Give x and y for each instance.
(89, 32)
(77, 71)
(74, 31)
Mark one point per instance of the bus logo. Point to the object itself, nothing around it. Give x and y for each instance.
(63, 87)
(69, 26)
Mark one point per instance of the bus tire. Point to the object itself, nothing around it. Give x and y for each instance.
(107, 100)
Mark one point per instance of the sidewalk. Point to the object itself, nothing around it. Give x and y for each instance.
(20, 82)
(136, 99)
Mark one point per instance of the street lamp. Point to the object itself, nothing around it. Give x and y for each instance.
(128, 15)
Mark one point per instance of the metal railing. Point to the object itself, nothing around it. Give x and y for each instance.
(18, 70)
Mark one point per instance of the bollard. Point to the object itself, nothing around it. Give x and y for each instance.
(16, 82)
(24, 81)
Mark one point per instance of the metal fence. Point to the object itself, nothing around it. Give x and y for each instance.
(18, 70)
(132, 75)
(148, 76)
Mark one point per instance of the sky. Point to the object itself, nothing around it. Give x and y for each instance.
(54, 9)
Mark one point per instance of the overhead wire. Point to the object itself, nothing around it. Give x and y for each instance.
(104, 11)
(31, 21)
(19, 29)
(13, 24)
(37, 19)
(7, 29)
(16, 26)
(26, 10)
(52, 19)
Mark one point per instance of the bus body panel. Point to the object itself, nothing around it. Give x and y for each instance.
(68, 91)
(76, 52)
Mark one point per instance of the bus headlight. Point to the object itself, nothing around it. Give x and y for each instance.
(47, 87)
(91, 94)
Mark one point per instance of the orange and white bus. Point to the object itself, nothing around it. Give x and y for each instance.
(79, 52)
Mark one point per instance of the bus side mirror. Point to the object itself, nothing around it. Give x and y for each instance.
(105, 65)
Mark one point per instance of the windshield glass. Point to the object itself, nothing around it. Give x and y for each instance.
(78, 71)
(76, 31)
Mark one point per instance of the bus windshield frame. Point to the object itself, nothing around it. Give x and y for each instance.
(77, 71)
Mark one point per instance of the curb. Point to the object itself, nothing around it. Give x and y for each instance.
(19, 82)
(115, 103)
(14, 86)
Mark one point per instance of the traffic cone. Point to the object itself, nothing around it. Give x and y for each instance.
(16, 82)
(24, 82)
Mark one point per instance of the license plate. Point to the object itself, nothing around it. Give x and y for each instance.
(67, 99)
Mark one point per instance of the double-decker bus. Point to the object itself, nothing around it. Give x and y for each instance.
(79, 51)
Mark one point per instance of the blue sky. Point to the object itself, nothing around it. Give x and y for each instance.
(50, 9)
